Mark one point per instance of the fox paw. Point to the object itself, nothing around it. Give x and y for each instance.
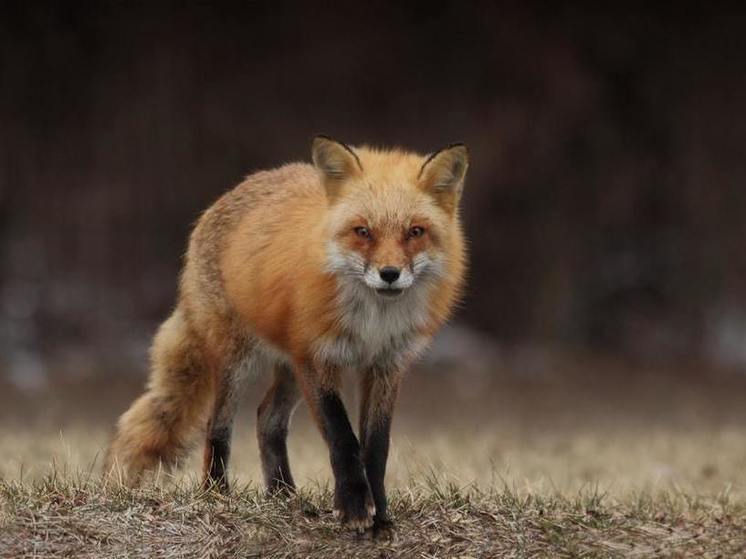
(353, 507)
(383, 528)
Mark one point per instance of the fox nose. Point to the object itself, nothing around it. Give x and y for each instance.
(389, 274)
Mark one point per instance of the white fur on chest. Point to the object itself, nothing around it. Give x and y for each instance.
(374, 330)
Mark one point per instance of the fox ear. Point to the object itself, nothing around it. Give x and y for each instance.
(335, 160)
(442, 175)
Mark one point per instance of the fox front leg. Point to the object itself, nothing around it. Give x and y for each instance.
(380, 388)
(353, 502)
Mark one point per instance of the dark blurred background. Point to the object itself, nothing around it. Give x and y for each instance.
(606, 203)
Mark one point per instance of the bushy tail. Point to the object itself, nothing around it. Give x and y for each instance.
(160, 425)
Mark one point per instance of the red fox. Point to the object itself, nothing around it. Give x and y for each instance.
(351, 263)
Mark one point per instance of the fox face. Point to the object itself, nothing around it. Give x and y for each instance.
(391, 214)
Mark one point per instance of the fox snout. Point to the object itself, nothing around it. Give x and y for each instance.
(389, 280)
(389, 274)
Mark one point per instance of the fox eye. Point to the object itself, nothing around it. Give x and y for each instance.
(415, 232)
(363, 232)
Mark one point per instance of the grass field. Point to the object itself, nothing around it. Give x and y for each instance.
(481, 466)
(60, 516)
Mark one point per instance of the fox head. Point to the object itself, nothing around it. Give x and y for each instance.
(392, 215)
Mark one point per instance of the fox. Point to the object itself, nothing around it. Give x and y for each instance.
(344, 266)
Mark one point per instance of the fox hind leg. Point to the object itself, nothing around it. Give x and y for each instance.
(230, 387)
(273, 422)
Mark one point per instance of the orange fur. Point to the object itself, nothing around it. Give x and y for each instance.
(260, 272)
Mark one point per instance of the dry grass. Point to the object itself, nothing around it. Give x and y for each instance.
(620, 462)
(76, 516)
(498, 468)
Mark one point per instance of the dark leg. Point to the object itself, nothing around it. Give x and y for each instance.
(217, 452)
(273, 420)
(352, 499)
(220, 428)
(379, 392)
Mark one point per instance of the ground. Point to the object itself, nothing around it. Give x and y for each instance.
(611, 462)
